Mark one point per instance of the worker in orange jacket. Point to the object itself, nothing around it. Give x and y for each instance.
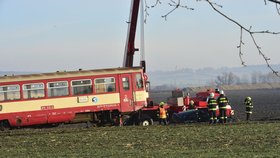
(162, 114)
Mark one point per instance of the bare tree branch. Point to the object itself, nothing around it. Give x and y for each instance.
(266, 59)
(275, 1)
(157, 2)
(172, 3)
(230, 19)
(240, 48)
(277, 8)
(146, 11)
(177, 4)
(277, 4)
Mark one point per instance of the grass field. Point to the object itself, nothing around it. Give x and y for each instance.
(255, 139)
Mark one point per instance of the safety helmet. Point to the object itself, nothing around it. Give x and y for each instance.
(161, 103)
(249, 98)
(212, 95)
(222, 92)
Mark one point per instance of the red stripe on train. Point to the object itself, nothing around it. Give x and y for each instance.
(50, 115)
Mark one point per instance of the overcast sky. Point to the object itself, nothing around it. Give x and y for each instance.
(51, 35)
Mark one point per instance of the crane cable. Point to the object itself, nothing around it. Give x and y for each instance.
(142, 43)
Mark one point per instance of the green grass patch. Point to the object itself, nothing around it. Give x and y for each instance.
(258, 139)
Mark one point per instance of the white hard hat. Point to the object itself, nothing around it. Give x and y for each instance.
(212, 95)
(222, 92)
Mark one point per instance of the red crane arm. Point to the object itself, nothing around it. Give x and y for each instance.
(130, 47)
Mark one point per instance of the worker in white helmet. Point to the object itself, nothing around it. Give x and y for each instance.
(249, 107)
(212, 108)
(222, 102)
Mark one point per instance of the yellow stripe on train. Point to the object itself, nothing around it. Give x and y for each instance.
(67, 102)
(59, 103)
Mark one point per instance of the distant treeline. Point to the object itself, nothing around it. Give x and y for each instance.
(168, 80)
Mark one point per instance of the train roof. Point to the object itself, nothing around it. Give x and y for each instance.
(68, 74)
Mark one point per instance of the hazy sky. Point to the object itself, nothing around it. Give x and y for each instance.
(50, 35)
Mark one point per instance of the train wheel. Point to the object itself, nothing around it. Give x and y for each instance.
(146, 121)
(88, 124)
(4, 125)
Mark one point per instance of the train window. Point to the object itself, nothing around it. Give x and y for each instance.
(81, 87)
(33, 90)
(125, 83)
(56, 89)
(10, 92)
(103, 85)
(139, 81)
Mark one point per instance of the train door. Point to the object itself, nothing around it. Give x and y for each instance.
(126, 93)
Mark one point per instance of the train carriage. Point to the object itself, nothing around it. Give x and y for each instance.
(98, 96)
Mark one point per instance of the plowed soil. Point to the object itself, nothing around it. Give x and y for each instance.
(266, 103)
(241, 139)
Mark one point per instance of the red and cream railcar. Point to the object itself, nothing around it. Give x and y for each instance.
(87, 95)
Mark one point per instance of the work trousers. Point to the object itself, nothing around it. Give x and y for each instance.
(163, 120)
(223, 115)
(248, 113)
(213, 117)
(248, 116)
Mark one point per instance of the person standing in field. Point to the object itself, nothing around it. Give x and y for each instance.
(162, 114)
(249, 107)
(212, 107)
(222, 102)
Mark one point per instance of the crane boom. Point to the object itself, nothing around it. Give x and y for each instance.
(130, 40)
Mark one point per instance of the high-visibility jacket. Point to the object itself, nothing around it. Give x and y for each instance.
(222, 102)
(162, 113)
(212, 104)
(249, 106)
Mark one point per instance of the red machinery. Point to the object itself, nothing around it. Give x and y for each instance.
(130, 41)
(200, 100)
(179, 101)
(151, 110)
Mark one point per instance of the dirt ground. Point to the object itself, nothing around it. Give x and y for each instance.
(266, 102)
